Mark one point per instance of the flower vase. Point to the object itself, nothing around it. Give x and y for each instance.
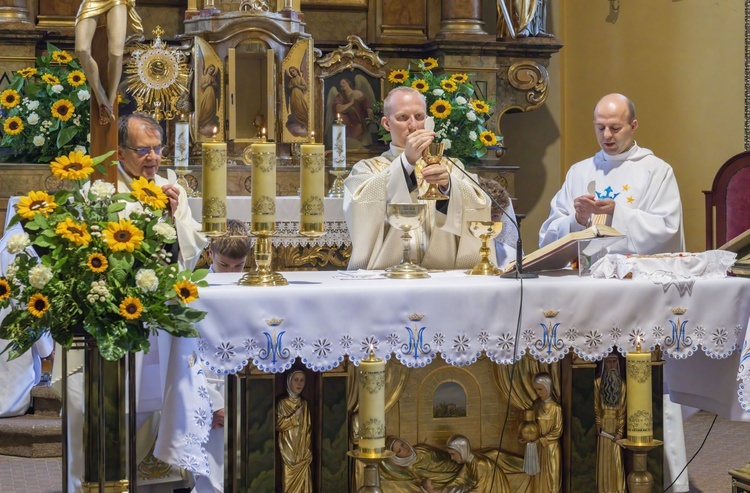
(528, 432)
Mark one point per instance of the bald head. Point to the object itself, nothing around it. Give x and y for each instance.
(615, 123)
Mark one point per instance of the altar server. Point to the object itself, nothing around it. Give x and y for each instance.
(627, 182)
(443, 241)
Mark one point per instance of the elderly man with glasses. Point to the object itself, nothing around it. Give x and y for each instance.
(140, 148)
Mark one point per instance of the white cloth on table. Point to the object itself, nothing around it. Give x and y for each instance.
(648, 209)
(442, 242)
(214, 482)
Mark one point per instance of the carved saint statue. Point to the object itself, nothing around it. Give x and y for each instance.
(294, 427)
(609, 408)
(548, 416)
(119, 13)
(528, 18)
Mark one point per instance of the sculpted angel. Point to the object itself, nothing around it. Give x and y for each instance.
(352, 100)
(120, 14)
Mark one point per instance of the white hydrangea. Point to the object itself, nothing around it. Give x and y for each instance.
(84, 95)
(57, 88)
(472, 135)
(38, 140)
(11, 271)
(102, 189)
(471, 116)
(447, 144)
(46, 123)
(81, 148)
(438, 92)
(39, 276)
(18, 243)
(32, 105)
(166, 231)
(460, 100)
(146, 280)
(32, 119)
(98, 292)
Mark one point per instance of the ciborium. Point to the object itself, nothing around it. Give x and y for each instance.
(406, 217)
(485, 231)
(432, 155)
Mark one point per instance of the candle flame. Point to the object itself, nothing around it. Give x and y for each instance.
(312, 136)
(638, 344)
(263, 133)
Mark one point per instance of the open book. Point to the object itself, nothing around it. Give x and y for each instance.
(740, 245)
(565, 250)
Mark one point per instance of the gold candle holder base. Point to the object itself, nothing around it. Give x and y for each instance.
(485, 231)
(312, 230)
(181, 171)
(337, 187)
(639, 479)
(371, 479)
(264, 275)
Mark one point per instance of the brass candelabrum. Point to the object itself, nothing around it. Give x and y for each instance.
(264, 275)
(640, 480)
(371, 476)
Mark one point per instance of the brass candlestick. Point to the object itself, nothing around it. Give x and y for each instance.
(264, 275)
(639, 479)
(371, 479)
(485, 231)
(337, 187)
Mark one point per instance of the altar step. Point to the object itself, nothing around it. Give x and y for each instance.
(37, 434)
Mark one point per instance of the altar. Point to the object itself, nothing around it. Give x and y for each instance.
(448, 328)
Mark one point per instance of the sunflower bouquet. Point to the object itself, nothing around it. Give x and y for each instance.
(460, 117)
(92, 260)
(45, 110)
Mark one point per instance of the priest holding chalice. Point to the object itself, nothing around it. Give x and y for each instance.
(402, 175)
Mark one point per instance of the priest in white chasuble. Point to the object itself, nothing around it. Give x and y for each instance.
(443, 241)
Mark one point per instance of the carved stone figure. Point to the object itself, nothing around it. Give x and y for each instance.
(294, 427)
(548, 416)
(528, 18)
(119, 13)
(610, 411)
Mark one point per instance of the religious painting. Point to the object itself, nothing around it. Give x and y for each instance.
(208, 121)
(351, 96)
(297, 122)
(449, 401)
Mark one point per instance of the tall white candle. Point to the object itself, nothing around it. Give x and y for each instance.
(214, 210)
(312, 185)
(181, 144)
(372, 406)
(263, 188)
(339, 143)
(638, 378)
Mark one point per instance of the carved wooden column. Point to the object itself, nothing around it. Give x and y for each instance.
(462, 20)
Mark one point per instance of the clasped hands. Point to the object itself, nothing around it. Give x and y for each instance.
(416, 143)
(587, 205)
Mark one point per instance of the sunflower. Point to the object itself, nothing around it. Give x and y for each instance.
(97, 263)
(75, 166)
(4, 289)
(480, 107)
(76, 78)
(38, 305)
(148, 193)
(420, 85)
(27, 72)
(440, 108)
(50, 79)
(73, 231)
(488, 138)
(122, 235)
(398, 76)
(186, 291)
(131, 308)
(429, 63)
(448, 85)
(13, 125)
(459, 78)
(35, 203)
(10, 98)
(61, 56)
(63, 109)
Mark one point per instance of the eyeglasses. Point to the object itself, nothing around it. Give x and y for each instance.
(143, 151)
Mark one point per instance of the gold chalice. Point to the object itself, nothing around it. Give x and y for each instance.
(433, 155)
(485, 231)
(406, 217)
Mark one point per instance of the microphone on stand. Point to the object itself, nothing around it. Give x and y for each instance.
(518, 273)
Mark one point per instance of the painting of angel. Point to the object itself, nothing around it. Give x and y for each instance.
(297, 93)
(351, 97)
(209, 108)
